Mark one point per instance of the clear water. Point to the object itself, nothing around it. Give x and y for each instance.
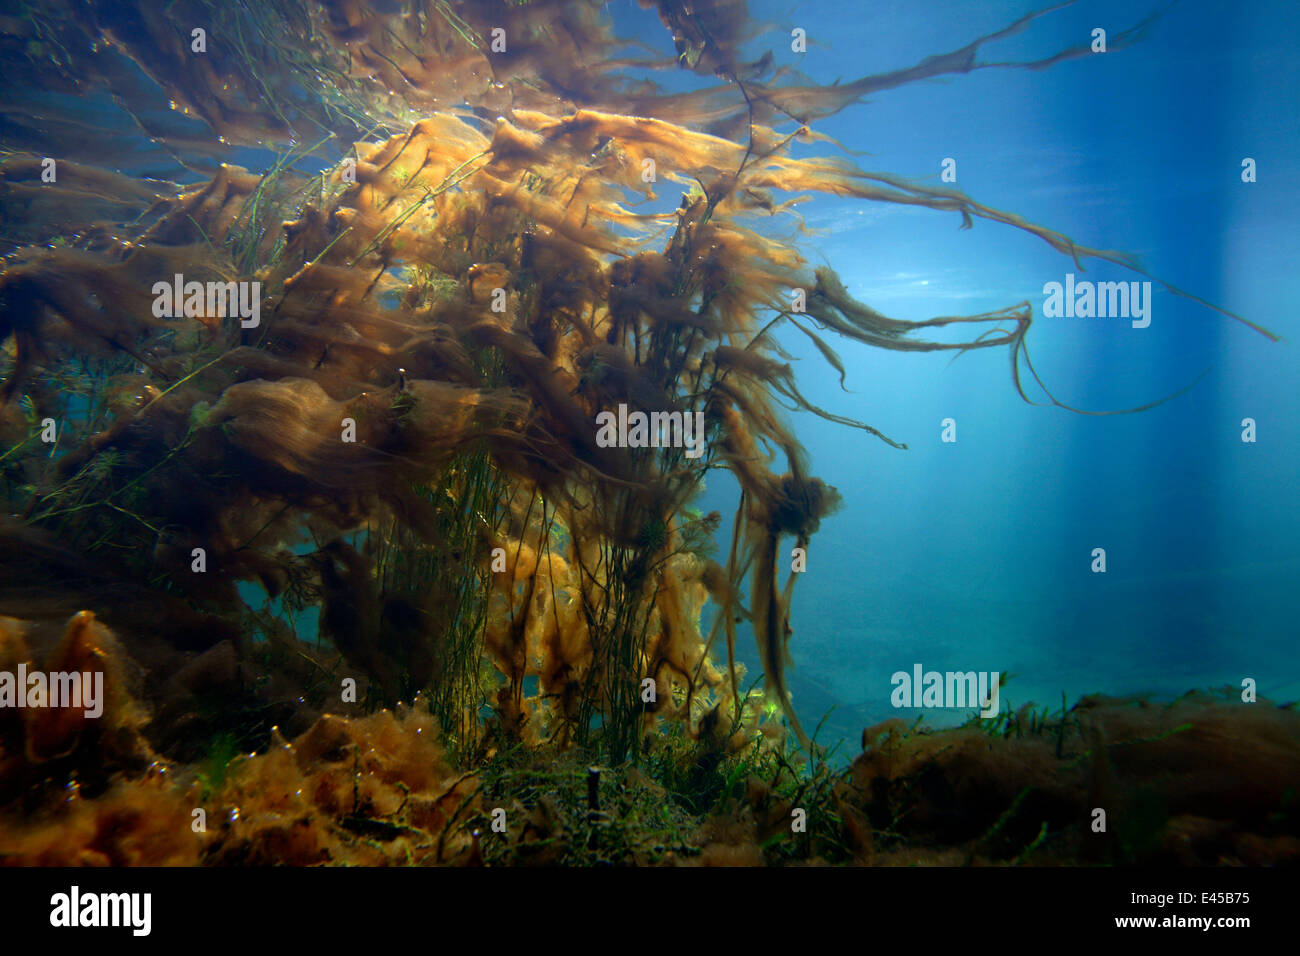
(976, 555)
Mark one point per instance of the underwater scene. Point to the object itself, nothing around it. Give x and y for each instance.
(506, 433)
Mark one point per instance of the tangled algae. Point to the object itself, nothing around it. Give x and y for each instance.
(468, 264)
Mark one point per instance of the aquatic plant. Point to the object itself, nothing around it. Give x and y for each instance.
(403, 436)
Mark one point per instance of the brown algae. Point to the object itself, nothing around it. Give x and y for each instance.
(399, 443)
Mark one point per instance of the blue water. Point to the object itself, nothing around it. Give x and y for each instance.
(976, 555)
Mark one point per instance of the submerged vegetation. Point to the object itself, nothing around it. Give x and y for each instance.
(464, 256)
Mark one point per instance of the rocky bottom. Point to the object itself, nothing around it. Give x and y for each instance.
(1203, 780)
